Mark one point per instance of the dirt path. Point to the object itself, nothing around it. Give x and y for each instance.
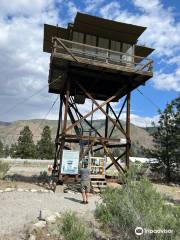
(19, 209)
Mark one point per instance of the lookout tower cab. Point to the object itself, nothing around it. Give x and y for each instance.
(97, 59)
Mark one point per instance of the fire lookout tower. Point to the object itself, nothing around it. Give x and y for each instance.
(99, 60)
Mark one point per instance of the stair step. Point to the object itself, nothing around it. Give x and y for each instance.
(99, 186)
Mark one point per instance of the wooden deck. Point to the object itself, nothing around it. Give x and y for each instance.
(100, 71)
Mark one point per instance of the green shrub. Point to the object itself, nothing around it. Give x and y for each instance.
(137, 204)
(4, 167)
(73, 228)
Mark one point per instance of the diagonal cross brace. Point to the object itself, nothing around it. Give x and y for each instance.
(88, 114)
(101, 105)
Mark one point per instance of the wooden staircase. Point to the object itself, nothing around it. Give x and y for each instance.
(97, 186)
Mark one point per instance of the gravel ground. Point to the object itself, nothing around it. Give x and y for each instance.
(24, 170)
(19, 209)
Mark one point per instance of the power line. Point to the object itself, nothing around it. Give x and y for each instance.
(150, 100)
(47, 113)
(9, 132)
(28, 98)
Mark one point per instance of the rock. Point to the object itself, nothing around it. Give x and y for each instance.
(32, 237)
(33, 190)
(99, 235)
(51, 219)
(20, 189)
(60, 188)
(8, 190)
(40, 224)
(58, 215)
(44, 213)
(45, 191)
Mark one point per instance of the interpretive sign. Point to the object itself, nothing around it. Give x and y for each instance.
(70, 161)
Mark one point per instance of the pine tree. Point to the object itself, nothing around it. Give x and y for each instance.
(6, 151)
(13, 150)
(167, 140)
(45, 147)
(1, 149)
(26, 147)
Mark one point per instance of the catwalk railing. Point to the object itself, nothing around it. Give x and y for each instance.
(101, 55)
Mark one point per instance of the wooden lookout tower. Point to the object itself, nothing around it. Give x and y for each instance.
(99, 60)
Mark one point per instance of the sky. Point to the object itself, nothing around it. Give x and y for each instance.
(24, 66)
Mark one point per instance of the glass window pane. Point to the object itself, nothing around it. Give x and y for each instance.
(115, 46)
(78, 37)
(91, 40)
(103, 43)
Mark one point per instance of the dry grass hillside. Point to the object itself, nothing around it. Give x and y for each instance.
(9, 132)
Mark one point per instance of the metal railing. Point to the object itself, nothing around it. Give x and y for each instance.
(102, 55)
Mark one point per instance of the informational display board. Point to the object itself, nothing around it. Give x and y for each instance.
(70, 161)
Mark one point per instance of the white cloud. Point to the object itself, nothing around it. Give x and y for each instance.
(168, 81)
(24, 67)
(111, 10)
(92, 5)
(72, 9)
(148, 6)
(161, 25)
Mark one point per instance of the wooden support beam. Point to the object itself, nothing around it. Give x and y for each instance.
(87, 150)
(118, 121)
(118, 115)
(99, 106)
(76, 129)
(66, 49)
(106, 120)
(64, 127)
(91, 112)
(117, 159)
(128, 130)
(86, 121)
(116, 164)
(58, 130)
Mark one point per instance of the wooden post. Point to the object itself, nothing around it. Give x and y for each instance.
(58, 131)
(64, 128)
(106, 121)
(128, 144)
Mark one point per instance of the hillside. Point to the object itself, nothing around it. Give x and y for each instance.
(9, 132)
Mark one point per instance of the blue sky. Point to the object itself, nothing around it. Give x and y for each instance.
(24, 67)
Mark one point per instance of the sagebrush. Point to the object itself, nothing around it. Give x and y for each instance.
(137, 204)
(73, 228)
(4, 167)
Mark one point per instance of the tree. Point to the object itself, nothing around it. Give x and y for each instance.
(167, 140)
(1, 149)
(45, 147)
(13, 150)
(26, 148)
(6, 151)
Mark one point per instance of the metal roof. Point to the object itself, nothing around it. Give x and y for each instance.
(52, 31)
(143, 51)
(100, 27)
(113, 30)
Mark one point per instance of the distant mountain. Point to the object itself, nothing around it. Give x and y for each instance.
(4, 123)
(9, 132)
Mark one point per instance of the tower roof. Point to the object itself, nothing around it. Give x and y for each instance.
(113, 30)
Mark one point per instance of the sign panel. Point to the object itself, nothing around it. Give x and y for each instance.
(70, 161)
